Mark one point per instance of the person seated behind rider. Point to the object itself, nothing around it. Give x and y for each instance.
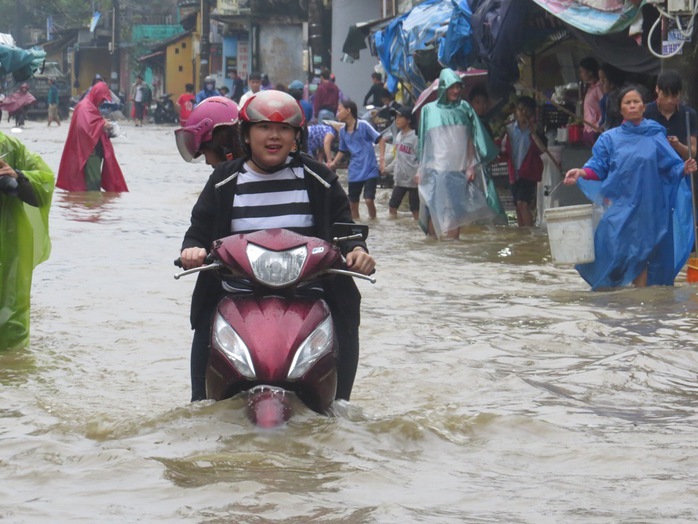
(297, 193)
(210, 130)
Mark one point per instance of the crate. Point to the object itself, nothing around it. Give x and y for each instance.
(554, 117)
(499, 169)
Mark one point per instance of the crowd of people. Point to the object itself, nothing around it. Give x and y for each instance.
(277, 148)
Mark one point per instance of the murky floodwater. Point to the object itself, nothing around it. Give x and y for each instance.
(492, 386)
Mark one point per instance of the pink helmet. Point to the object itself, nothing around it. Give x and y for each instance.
(273, 106)
(211, 113)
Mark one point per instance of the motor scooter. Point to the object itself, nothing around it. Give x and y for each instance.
(165, 111)
(272, 335)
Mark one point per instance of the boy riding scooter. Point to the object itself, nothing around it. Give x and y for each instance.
(294, 192)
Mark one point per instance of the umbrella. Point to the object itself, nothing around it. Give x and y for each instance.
(471, 78)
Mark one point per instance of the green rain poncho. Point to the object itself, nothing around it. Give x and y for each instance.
(453, 142)
(24, 241)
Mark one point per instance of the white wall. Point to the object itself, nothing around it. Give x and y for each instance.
(353, 79)
(281, 52)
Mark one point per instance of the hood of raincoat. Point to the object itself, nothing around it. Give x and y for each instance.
(85, 131)
(99, 93)
(447, 78)
(646, 127)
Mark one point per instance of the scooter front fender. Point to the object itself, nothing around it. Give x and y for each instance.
(273, 328)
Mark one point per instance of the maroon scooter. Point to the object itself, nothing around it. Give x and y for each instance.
(272, 334)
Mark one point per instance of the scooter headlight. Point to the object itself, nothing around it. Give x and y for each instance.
(226, 338)
(276, 268)
(318, 343)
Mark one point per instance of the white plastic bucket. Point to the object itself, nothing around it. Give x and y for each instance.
(571, 234)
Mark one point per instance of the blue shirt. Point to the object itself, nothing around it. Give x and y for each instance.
(362, 164)
(316, 136)
(520, 142)
(204, 94)
(52, 94)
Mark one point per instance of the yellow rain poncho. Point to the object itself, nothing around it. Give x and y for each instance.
(24, 241)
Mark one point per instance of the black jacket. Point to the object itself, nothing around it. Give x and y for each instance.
(212, 215)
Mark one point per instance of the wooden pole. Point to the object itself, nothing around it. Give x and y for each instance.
(693, 183)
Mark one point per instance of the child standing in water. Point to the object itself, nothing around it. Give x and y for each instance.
(522, 150)
(357, 137)
(404, 165)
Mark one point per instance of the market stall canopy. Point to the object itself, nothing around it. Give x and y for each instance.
(622, 51)
(490, 34)
(20, 63)
(596, 17)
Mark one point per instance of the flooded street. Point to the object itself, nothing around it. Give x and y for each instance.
(492, 386)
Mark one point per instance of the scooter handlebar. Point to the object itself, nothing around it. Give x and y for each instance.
(207, 260)
(353, 274)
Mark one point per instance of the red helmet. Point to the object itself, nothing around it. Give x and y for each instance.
(211, 113)
(273, 106)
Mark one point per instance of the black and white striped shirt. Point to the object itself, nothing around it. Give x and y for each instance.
(271, 200)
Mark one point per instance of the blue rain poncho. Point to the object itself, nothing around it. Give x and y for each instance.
(452, 140)
(24, 241)
(647, 219)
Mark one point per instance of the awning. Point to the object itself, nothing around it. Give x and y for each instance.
(491, 33)
(620, 50)
(596, 17)
(152, 57)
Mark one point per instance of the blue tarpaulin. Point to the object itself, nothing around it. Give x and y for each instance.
(444, 24)
(490, 33)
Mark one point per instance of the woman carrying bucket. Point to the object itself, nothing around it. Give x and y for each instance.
(646, 232)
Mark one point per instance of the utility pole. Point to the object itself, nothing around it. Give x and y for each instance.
(204, 43)
(19, 23)
(115, 84)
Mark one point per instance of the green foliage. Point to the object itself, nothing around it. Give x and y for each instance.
(65, 13)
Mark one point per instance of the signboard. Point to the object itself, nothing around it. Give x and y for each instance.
(233, 7)
(231, 62)
(243, 58)
(672, 37)
(293, 8)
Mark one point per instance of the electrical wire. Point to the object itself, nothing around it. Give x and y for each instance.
(685, 34)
